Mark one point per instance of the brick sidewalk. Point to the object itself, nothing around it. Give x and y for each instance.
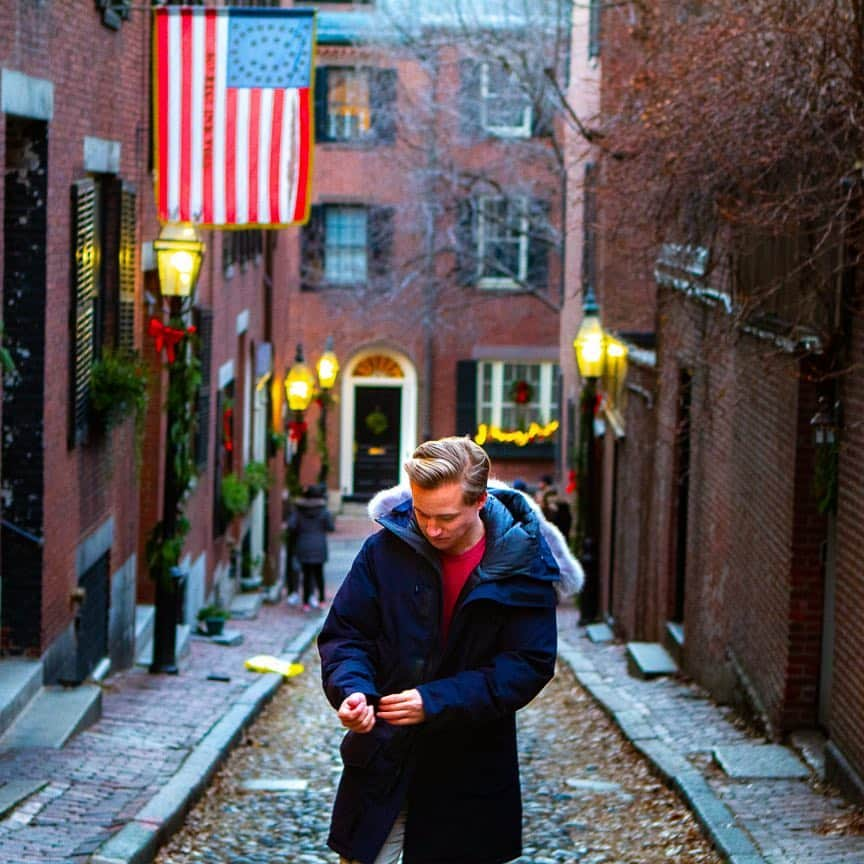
(117, 771)
(753, 821)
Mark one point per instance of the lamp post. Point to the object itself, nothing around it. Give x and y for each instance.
(179, 253)
(590, 348)
(327, 368)
(299, 387)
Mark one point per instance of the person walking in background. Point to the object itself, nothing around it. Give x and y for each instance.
(310, 521)
(443, 628)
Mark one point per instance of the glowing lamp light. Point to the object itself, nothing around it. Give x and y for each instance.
(327, 366)
(590, 343)
(299, 383)
(179, 253)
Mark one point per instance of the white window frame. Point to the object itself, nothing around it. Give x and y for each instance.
(545, 399)
(488, 96)
(499, 282)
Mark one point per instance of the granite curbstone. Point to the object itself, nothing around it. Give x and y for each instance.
(138, 841)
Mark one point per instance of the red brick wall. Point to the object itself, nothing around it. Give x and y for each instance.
(847, 702)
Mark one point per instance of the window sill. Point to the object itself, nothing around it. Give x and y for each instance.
(488, 284)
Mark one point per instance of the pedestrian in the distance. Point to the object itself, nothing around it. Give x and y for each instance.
(310, 522)
(443, 628)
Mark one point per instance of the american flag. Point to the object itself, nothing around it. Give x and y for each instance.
(232, 115)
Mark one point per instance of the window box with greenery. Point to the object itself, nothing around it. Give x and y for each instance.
(118, 388)
(235, 496)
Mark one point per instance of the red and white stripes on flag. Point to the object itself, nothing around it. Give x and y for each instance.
(233, 143)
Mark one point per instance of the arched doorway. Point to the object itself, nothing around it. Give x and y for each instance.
(379, 422)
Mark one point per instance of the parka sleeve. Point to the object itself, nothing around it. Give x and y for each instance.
(347, 643)
(516, 674)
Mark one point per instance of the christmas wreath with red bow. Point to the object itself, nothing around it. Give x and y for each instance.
(521, 392)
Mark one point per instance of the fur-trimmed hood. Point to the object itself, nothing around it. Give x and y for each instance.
(571, 574)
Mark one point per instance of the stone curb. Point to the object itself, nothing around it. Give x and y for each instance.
(138, 841)
(731, 841)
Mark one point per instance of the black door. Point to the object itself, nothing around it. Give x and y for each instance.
(376, 439)
(91, 625)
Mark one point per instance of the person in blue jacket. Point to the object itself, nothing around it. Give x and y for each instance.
(443, 628)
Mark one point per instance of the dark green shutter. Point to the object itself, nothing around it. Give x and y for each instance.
(466, 397)
(204, 327)
(380, 247)
(382, 84)
(589, 227)
(466, 242)
(312, 250)
(594, 10)
(128, 266)
(469, 98)
(539, 244)
(321, 133)
(83, 304)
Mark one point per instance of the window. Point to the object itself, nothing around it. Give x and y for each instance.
(347, 245)
(501, 387)
(355, 104)
(239, 248)
(505, 108)
(502, 241)
(348, 110)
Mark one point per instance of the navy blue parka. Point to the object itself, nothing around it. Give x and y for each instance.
(457, 773)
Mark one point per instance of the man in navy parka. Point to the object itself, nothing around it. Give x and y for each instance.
(427, 686)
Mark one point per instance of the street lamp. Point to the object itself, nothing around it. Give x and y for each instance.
(590, 347)
(327, 368)
(179, 253)
(299, 387)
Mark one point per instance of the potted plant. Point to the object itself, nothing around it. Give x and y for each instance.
(213, 618)
(118, 388)
(235, 495)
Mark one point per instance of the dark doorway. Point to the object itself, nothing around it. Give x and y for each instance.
(376, 439)
(682, 490)
(91, 625)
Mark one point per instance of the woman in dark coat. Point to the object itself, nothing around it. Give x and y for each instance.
(310, 522)
(456, 774)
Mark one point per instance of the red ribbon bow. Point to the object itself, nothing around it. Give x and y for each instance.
(296, 431)
(166, 337)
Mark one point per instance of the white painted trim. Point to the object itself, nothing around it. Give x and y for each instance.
(148, 257)
(226, 374)
(26, 96)
(243, 322)
(101, 156)
(407, 419)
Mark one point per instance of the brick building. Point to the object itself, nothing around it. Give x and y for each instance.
(80, 496)
(721, 535)
(432, 256)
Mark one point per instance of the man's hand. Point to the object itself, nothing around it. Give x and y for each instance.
(356, 714)
(402, 709)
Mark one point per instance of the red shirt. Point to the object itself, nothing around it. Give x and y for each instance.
(455, 570)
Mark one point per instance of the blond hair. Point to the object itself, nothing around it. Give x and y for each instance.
(451, 460)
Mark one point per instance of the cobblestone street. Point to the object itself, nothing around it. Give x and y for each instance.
(589, 797)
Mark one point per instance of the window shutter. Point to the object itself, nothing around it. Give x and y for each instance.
(382, 83)
(312, 250)
(466, 242)
(321, 104)
(83, 304)
(539, 244)
(543, 112)
(380, 247)
(204, 325)
(466, 397)
(594, 9)
(470, 98)
(128, 266)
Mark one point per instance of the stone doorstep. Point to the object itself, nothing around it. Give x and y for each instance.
(13, 792)
(599, 633)
(245, 606)
(759, 762)
(649, 660)
(53, 716)
(20, 681)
